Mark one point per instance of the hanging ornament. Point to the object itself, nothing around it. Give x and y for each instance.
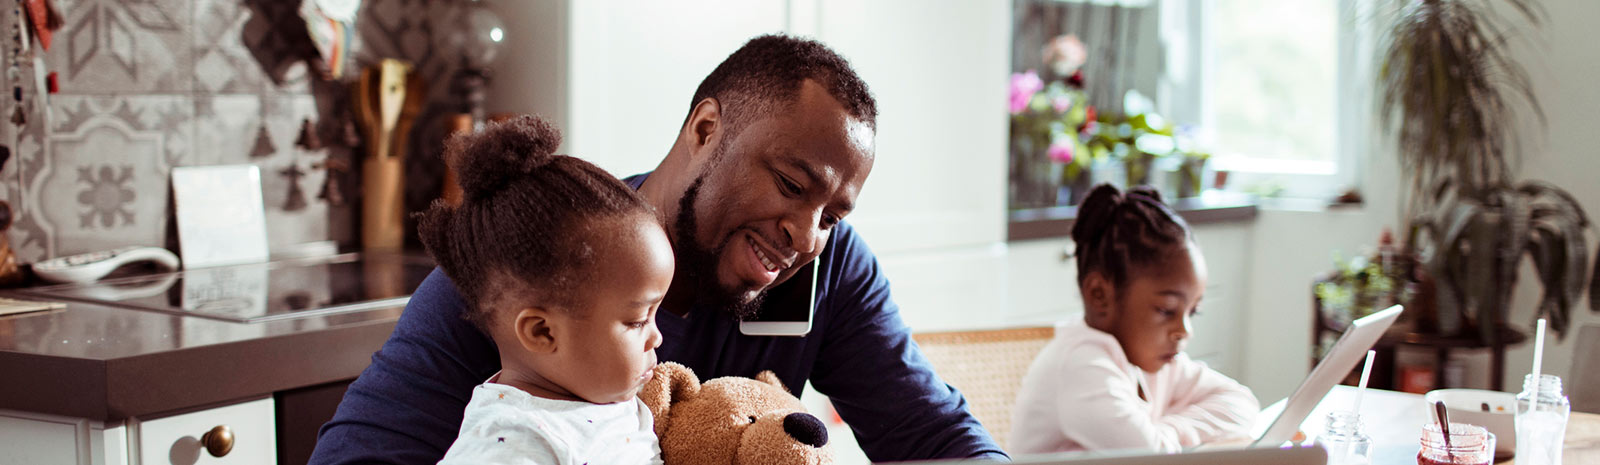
(308, 140)
(18, 116)
(296, 200)
(352, 136)
(331, 190)
(263, 147)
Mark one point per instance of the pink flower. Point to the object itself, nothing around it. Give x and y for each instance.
(1064, 54)
(1060, 150)
(1023, 86)
(1061, 103)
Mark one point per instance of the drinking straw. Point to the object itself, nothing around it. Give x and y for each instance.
(1538, 354)
(1366, 373)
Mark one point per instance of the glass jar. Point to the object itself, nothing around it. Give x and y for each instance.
(1469, 445)
(1542, 413)
(1346, 440)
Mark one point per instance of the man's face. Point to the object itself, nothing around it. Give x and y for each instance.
(768, 199)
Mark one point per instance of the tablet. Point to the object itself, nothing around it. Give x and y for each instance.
(1346, 353)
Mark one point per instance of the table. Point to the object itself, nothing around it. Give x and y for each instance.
(1394, 421)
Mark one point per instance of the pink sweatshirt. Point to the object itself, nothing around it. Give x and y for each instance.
(1082, 393)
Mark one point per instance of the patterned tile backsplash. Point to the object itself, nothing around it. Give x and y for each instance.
(148, 85)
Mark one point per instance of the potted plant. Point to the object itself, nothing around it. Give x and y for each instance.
(1446, 83)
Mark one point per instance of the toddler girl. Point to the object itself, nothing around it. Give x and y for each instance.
(563, 266)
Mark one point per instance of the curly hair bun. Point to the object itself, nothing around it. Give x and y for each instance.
(500, 153)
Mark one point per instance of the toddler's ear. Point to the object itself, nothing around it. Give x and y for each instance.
(535, 330)
(671, 384)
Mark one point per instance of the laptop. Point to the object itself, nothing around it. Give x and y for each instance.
(1350, 350)
(1290, 456)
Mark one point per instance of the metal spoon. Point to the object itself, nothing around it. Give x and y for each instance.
(1444, 428)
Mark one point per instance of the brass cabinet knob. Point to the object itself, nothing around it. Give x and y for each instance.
(218, 441)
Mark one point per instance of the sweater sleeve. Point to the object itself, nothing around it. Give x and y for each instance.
(877, 378)
(406, 407)
(1208, 406)
(1100, 408)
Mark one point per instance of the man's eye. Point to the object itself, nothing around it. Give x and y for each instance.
(788, 187)
(828, 221)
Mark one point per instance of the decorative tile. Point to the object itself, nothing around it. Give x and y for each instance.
(102, 182)
(249, 46)
(124, 46)
(30, 237)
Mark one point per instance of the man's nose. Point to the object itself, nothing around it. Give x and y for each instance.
(804, 231)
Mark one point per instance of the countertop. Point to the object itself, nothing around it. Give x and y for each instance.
(109, 363)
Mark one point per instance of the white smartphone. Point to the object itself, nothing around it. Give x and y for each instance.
(788, 307)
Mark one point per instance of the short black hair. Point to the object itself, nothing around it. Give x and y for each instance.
(1116, 231)
(526, 218)
(766, 73)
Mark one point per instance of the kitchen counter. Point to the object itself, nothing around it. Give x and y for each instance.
(109, 363)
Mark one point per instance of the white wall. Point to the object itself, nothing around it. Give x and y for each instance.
(1562, 61)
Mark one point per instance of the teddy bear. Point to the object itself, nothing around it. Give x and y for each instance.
(731, 420)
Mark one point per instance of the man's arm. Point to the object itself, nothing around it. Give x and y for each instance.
(876, 376)
(406, 407)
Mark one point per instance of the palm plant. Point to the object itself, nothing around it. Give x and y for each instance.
(1446, 81)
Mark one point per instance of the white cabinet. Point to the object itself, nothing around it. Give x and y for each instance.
(30, 439)
(177, 439)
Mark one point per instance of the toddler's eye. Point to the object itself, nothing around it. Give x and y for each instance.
(637, 324)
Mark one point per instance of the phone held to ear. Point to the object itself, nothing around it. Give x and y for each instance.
(788, 308)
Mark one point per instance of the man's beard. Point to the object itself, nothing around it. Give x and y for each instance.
(700, 265)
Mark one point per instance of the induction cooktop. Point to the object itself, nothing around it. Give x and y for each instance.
(261, 291)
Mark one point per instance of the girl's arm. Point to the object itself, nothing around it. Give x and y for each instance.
(1100, 407)
(1209, 404)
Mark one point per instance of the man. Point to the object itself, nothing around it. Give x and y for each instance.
(777, 144)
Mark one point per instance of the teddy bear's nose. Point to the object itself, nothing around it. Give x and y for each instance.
(806, 428)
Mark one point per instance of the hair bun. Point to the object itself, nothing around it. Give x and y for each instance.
(487, 160)
(1095, 213)
(1147, 192)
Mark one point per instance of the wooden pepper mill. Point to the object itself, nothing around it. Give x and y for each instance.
(388, 98)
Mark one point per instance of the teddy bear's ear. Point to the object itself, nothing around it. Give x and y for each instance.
(767, 376)
(671, 384)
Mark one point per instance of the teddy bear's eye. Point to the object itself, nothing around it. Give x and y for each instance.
(752, 419)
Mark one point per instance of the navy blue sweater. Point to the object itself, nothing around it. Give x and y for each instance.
(406, 407)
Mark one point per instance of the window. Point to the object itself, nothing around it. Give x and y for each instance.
(1283, 91)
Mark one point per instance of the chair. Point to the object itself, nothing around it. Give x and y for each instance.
(1583, 386)
(987, 366)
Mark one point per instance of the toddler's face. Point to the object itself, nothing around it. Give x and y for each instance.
(1153, 315)
(606, 345)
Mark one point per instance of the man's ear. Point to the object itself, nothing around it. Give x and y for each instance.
(704, 126)
(535, 330)
(1099, 299)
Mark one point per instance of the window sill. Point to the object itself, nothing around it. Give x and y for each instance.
(1209, 207)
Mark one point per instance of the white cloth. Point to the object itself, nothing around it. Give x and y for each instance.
(1082, 393)
(505, 425)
